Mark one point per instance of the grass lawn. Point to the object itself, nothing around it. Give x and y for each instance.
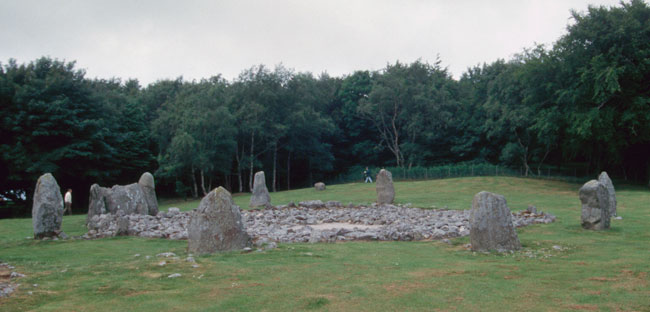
(606, 270)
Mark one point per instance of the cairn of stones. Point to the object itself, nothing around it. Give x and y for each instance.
(317, 221)
(607, 182)
(135, 198)
(595, 206)
(47, 209)
(216, 225)
(260, 196)
(319, 186)
(385, 189)
(490, 223)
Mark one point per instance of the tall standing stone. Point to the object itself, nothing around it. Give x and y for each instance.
(149, 189)
(216, 225)
(96, 201)
(607, 182)
(385, 189)
(260, 196)
(490, 224)
(47, 209)
(595, 206)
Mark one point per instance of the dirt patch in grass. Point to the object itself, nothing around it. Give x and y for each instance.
(151, 274)
(585, 307)
(630, 280)
(428, 273)
(398, 289)
(602, 279)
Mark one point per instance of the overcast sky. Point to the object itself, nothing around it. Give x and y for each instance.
(151, 40)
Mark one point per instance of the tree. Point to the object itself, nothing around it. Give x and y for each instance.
(603, 85)
(405, 101)
(195, 131)
(54, 121)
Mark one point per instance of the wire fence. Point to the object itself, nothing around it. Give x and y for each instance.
(568, 174)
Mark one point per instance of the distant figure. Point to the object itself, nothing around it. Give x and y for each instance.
(368, 175)
(67, 199)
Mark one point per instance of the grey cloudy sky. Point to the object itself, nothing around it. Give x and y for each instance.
(151, 40)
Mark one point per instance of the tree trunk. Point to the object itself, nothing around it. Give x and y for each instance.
(539, 166)
(524, 157)
(195, 191)
(275, 158)
(250, 176)
(289, 170)
(203, 182)
(238, 157)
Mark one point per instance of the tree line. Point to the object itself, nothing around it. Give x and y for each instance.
(584, 101)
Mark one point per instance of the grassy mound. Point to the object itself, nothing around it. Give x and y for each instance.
(562, 266)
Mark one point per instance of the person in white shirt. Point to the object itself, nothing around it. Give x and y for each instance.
(68, 201)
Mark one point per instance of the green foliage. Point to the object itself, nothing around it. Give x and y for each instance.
(54, 120)
(583, 101)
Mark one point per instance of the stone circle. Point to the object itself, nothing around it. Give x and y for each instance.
(315, 221)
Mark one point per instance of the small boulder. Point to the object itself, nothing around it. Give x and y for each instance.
(216, 225)
(47, 208)
(491, 225)
(319, 186)
(607, 182)
(595, 206)
(260, 196)
(172, 211)
(385, 189)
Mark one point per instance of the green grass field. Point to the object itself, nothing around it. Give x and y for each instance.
(605, 271)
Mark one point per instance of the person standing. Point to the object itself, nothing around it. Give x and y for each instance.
(368, 175)
(67, 199)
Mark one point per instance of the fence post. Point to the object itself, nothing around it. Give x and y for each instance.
(472, 169)
(426, 173)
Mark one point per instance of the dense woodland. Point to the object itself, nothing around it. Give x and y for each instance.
(585, 101)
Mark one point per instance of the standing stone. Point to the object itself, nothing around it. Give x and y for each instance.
(216, 225)
(490, 223)
(47, 209)
(607, 182)
(319, 186)
(260, 195)
(385, 189)
(129, 199)
(96, 201)
(595, 206)
(149, 189)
